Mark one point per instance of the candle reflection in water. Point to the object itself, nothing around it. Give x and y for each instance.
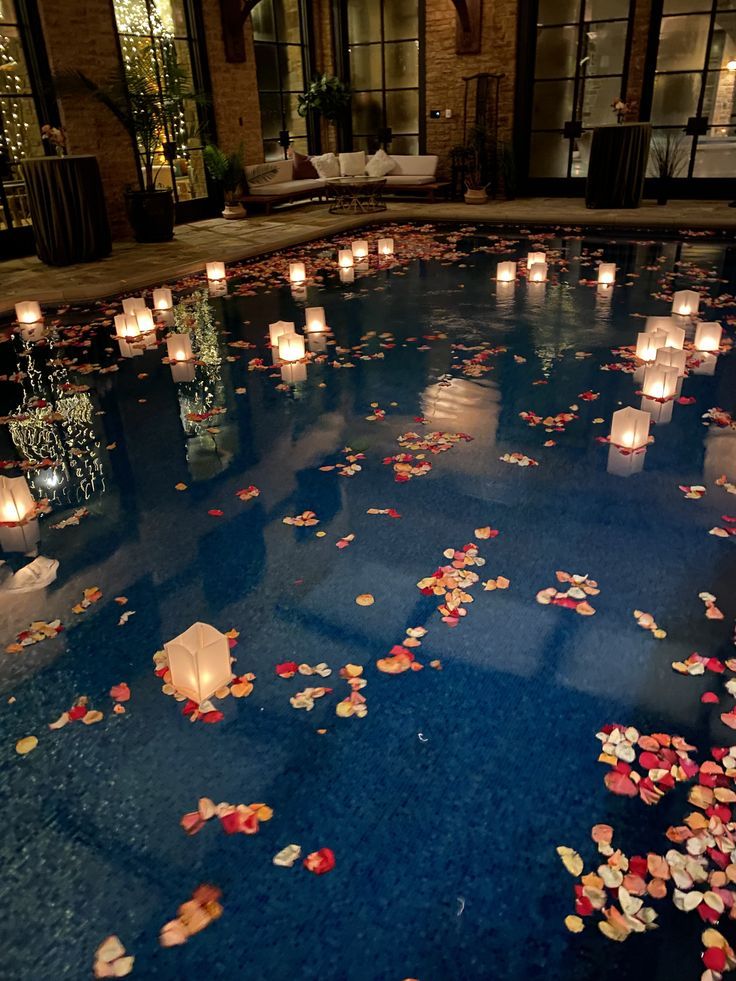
(625, 464)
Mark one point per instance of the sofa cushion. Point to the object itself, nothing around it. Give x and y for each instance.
(268, 174)
(287, 187)
(406, 180)
(379, 164)
(303, 168)
(352, 164)
(415, 165)
(326, 165)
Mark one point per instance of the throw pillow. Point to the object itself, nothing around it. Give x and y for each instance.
(380, 164)
(303, 168)
(352, 164)
(326, 165)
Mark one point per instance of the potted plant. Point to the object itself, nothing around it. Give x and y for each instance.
(227, 170)
(150, 111)
(667, 156)
(325, 95)
(476, 177)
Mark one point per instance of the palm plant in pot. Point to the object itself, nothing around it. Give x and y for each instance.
(476, 177)
(327, 96)
(228, 172)
(667, 158)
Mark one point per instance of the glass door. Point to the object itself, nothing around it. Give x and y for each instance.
(580, 67)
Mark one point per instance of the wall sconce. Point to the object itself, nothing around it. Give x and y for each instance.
(179, 347)
(16, 501)
(215, 271)
(537, 272)
(126, 326)
(660, 382)
(28, 312)
(131, 304)
(291, 347)
(316, 322)
(673, 358)
(647, 344)
(345, 259)
(278, 328)
(144, 319)
(347, 275)
(292, 374)
(625, 464)
(534, 257)
(506, 272)
(297, 272)
(359, 249)
(630, 428)
(685, 303)
(162, 300)
(385, 246)
(708, 336)
(199, 662)
(606, 273)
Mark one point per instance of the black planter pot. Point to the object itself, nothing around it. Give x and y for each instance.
(151, 214)
(663, 190)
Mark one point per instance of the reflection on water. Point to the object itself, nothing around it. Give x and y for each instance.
(625, 464)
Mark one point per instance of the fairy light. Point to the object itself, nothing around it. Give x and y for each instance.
(15, 127)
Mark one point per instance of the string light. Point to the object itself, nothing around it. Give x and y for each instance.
(15, 127)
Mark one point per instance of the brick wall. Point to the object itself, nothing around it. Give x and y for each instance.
(638, 53)
(444, 70)
(81, 36)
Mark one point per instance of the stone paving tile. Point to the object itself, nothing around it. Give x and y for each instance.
(132, 265)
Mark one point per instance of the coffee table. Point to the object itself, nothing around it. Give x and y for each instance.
(355, 195)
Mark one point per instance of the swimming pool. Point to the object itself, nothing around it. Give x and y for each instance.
(445, 803)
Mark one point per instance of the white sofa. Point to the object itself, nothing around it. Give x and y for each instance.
(273, 182)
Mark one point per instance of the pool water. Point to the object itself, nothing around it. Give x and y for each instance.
(445, 803)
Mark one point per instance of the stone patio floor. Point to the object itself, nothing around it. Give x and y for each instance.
(132, 265)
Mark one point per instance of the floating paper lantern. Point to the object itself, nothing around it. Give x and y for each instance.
(28, 312)
(707, 336)
(506, 272)
(534, 257)
(606, 273)
(199, 662)
(359, 249)
(704, 363)
(162, 299)
(659, 323)
(385, 246)
(625, 464)
(128, 350)
(182, 371)
(630, 428)
(538, 272)
(675, 338)
(347, 275)
(179, 347)
(673, 358)
(16, 501)
(133, 303)
(278, 328)
(345, 259)
(647, 344)
(215, 271)
(297, 272)
(126, 326)
(291, 347)
(292, 374)
(144, 319)
(659, 412)
(685, 303)
(660, 381)
(316, 322)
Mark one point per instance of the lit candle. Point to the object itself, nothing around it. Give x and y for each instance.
(660, 381)
(538, 272)
(199, 662)
(685, 303)
(28, 312)
(16, 501)
(291, 347)
(297, 272)
(162, 299)
(630, 428)
(345, 259)
(315, 319)
(126, 326)
(359, 248)
(647, 344)
(606, 273)
(506, 272)
(533, 257)
(215, 271)
(278, 328)
(707, 336)
(144, 319)
(131, 304)
(385, 246)
(179, 347)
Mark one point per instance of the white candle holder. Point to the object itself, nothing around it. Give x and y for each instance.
(315, 320)
(385, 246)
(708, 336)
(28, 312)
(297, 273)
(506, 272)
(606, 274)
(215, 271)
(685, 303)
(291, 347)
(199, 662)
(630, 428)
(359, 248)
(163, 300)
(279, 327)
(345, 259)
(131, 304)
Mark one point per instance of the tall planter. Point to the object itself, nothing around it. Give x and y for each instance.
(151, 214)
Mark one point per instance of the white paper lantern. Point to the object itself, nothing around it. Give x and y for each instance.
(179, 347)
(606, 273)
(359, 248)
(297, 272)
(128, 350)
(707, 336)
(685, 303)
(22, 538)
(292, 374)
(347, 275)
(672, 357)
(133, 303)
(385, 246)
(647, 344)
(28, 312)
(506, 272)
(291, 347)
(317, 343)
(144, 319)
(534, 257)
(630, 428)
(675, 338)
(162, 299)
(315, 320)
(16, 500)
(538, 272)
(659, 323)
(126, 326)
(278, 328)
(215, 271)
(625, 464)
(704, 363)
(199, 662)
(345, 259)
(659, 412)
(660, 381)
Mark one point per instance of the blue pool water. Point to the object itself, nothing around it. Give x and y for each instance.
(445, 804)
